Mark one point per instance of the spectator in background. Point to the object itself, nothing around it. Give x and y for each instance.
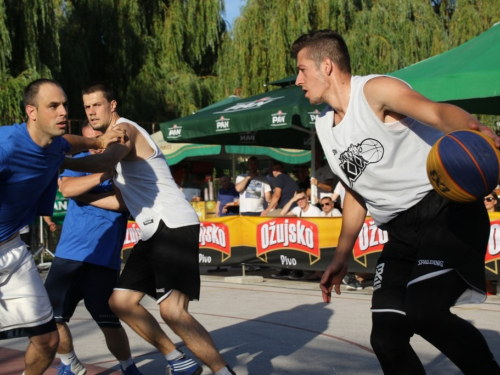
(50, 223)
(225, 198)
(193, 189)
(304, 180)
(324, 178)
(253, 188)
(491, 202)
(339, 192)
(284, 190)
(302, 209)
(328, 209)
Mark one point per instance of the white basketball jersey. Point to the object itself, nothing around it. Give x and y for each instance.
(383, 162)
(150, 192)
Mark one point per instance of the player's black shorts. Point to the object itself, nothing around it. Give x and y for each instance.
(70, 281)
(433, 237)
(169, 260)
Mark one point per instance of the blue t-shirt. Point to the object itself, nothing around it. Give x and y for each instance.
(288, 188)
(91, 234)
(225, 197)
(28, 177)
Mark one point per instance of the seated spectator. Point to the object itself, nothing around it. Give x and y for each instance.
(303, 207)
(253, 188)
(328, 209)
(490, 202)
(226, 197)
(284, 190)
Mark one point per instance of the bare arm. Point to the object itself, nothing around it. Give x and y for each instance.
(274, 201)
(99, 162)
(352, 222)
(80, 144)
(391, 98)
(217, 209)
(107, 201)
(242, 185)
(50, 223)
(326, 186)
(287, 206)
(71, 187)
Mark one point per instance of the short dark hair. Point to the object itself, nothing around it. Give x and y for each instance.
(278, 166)
(103, 87)
(321, 44)
(31, 91)
(253, 158)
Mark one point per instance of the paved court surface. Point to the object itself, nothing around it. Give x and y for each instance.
(271, 327)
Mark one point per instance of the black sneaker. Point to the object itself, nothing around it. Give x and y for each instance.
(351, 282)
(296, 275)
(283, 274)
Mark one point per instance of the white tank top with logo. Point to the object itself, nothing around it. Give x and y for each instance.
(385, 163)
(150, 192)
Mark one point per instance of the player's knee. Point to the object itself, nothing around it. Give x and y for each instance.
(117, 304)
(46, 343)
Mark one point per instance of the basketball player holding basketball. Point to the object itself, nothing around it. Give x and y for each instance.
(375, 140)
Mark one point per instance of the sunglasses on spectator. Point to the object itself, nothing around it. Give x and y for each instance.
(489, 199)
(325, 204)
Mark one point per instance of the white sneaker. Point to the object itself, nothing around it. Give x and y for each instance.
(74, 368)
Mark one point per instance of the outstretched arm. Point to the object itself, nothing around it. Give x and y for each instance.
(390, 97)
(352, 222)
(80, 144)
(287, 206)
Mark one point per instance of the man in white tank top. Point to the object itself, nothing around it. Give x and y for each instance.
(376, 133)
(164, 264)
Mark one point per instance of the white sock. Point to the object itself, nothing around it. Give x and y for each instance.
(223, 371)
(173, 355)
(66, 359)
(127, 363)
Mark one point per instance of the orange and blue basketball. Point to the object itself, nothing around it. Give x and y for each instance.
(464, 166)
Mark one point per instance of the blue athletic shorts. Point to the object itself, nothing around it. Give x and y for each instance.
(69, 281)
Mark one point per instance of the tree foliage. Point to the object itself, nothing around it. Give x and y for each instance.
(382, 35)
(168, 58)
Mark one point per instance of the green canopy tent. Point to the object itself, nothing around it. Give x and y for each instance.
(467, 76)
(176, 152)
(281, 118)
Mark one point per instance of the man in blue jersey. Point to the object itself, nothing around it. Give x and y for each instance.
(30, 156)
(87, 262)
(164, 264)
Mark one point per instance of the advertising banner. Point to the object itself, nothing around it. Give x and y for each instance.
(299, 243)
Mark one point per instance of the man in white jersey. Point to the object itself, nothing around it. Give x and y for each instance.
(376, 133)
(164, 264)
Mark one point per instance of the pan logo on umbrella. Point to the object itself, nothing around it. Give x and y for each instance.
(278, 119)
(314, 116)
(174, 131)
(222, 124)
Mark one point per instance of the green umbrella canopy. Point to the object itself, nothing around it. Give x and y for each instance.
(467, 76)
(282, 118)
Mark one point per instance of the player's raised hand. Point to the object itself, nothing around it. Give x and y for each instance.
(115, 134)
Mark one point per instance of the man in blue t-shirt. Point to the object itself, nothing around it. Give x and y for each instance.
(285, 188)
(225, 198)
(30, 156)
(87, 262)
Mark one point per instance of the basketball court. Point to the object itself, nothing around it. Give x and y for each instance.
(270, 327)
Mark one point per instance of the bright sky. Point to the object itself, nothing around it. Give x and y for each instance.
(233, 10)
